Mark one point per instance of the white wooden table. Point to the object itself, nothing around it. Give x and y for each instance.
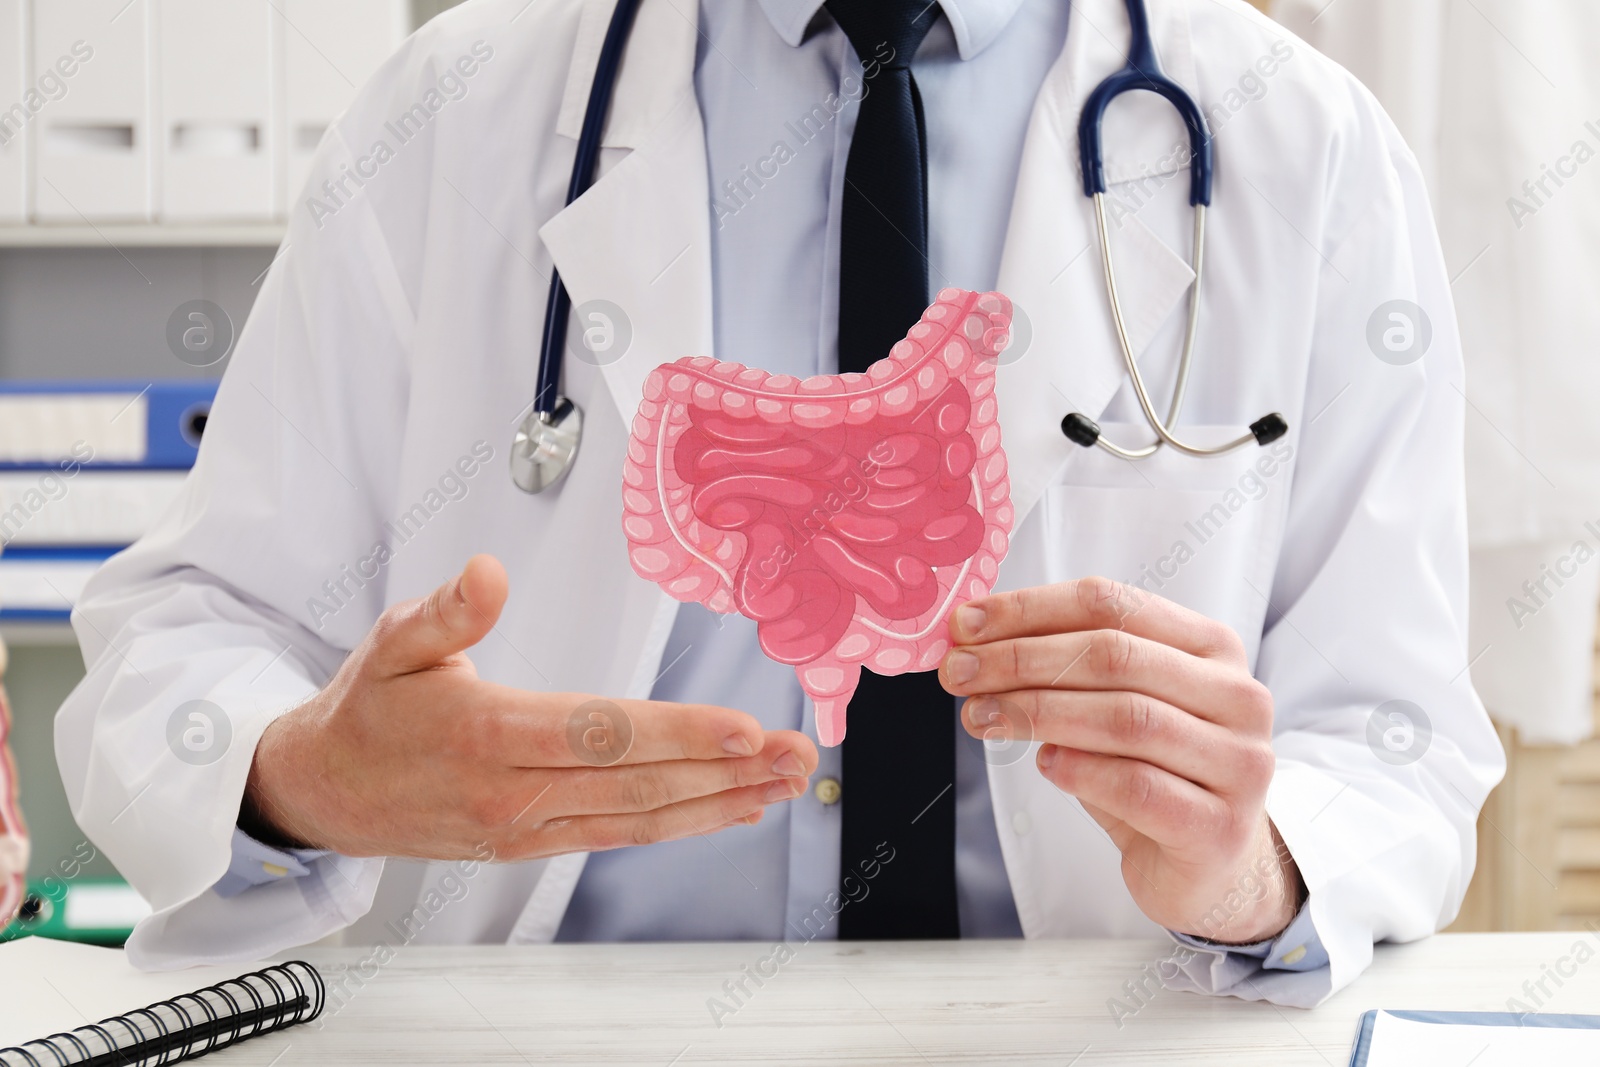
(908, 1003)
(1005, 1002)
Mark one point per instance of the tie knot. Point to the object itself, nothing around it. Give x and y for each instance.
(888, 31)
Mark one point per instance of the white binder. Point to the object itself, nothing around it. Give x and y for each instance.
(15, 115)
(218, 141)
(93, 158)
(93, 507)
(330, 50)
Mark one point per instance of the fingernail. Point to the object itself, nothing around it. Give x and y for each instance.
(961, 667)
(738, 745)
(971, 619)
(788, 765)
(983, 710)
(1048, 754)
(787, 789)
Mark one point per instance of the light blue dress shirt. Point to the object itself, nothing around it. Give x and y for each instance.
(779, 87)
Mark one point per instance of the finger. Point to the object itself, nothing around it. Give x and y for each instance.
(419, 634)
(1120, 723)
(1112, 660)
(748, 820)
(523, 729)
(1161, 806)
(700, 816)
(786, 759)
(1093, 604)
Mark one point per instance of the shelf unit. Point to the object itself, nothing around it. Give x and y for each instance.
(16, 635)
(1539, 839)
(145, 235)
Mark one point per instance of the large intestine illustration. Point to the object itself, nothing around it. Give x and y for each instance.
(847, 515)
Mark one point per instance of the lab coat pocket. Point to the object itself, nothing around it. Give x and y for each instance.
(1201, 532)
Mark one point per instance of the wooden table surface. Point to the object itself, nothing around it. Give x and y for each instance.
(1041, 1002)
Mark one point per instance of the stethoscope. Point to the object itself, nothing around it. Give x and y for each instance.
(547, 440)
(1143, 71)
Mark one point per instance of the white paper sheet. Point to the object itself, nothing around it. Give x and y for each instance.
(1405, 1043)
(50, 986)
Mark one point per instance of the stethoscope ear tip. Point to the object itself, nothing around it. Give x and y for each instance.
(1268, 428)
(1080, 430)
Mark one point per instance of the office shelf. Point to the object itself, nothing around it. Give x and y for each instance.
(144, 235)
(17, 634)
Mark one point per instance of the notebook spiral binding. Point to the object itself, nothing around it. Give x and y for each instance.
(188, 1026)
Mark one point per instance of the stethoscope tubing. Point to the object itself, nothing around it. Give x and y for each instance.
(1162, 427)
(558, 304)
(1143, 73)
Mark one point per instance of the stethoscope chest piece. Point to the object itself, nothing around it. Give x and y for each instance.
(545, 446)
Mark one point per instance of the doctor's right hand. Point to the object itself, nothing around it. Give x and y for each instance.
(408, 753)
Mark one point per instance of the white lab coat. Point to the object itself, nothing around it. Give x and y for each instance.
(1395, 48)
(404, 329)
(1503, 95)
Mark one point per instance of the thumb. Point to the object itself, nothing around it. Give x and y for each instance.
(422, 633)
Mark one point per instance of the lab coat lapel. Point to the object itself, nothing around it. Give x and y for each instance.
(640, 237)
(1051, 265)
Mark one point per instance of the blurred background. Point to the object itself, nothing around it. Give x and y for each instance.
(142, 198)
(144, 194)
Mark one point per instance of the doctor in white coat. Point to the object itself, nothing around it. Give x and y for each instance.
(1266, 742)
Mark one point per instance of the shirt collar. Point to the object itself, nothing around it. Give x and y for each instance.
(976, 23)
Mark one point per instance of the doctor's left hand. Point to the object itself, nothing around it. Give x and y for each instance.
(1149, 715)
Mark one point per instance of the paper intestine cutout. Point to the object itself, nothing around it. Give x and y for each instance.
(847, 515)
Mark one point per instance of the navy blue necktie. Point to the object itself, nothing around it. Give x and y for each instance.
(899, 757)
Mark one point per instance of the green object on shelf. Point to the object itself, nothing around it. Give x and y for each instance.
(96, 911)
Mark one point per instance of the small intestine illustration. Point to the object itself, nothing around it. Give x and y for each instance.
(846, 515)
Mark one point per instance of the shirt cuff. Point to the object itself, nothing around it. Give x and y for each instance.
(1298, 948)
(256, 864)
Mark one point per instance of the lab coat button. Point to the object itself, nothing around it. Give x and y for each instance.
(829, 791)
(1021, 823)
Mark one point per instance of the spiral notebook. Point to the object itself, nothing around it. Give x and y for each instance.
(76, 1004)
